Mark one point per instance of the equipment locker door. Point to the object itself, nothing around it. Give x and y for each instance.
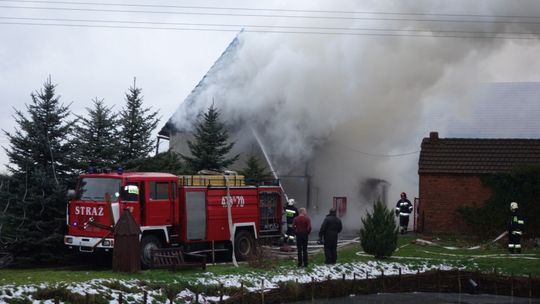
(196, 215)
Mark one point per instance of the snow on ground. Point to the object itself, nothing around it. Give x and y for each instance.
(251, 281)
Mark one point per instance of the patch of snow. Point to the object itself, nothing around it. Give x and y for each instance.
(251, 281)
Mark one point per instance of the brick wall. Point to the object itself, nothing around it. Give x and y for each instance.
(441, 195)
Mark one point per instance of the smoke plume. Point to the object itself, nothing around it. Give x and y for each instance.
(360, 101)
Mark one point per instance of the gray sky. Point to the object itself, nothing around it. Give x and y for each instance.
(88, 62)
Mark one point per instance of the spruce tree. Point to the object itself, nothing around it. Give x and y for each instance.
(137, 124)
(254, 171)
(96, 137)
(211, 144)
(40, 166)
(379, 233)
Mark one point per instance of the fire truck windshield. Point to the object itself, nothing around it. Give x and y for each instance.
(99, 189)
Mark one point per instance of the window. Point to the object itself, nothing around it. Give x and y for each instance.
(130, 192)
(99, 189)
(159, 190)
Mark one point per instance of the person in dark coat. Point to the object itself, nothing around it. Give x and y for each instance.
(403, 210)
(302, 229)
(328, 235)
(515, 229)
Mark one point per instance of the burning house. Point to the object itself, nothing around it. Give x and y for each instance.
(311, 172)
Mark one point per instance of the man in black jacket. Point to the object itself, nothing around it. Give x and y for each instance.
(328, 234)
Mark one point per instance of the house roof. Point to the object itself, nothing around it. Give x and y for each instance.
(476, 155)
(223, 61)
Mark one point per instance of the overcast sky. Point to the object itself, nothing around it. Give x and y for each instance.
(112, 44)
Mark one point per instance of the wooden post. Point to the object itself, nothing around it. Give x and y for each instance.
(343, 278)
(399, 279)
(367, 275)
(382, 279)
(220, 293)
(495, 285)
(86, 298)
(418, 279)
(438, 280)
(241, 291)
(512, 285)
(530, 286)
(296, 289)
(312, 289)
(120, 298)
(262, 291)
(459, 281)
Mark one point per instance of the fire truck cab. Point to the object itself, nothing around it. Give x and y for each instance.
(188, 211)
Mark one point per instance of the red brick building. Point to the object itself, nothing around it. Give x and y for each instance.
(449, 175)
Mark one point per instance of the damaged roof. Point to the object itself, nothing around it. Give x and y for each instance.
(224, 60)
(476, 155)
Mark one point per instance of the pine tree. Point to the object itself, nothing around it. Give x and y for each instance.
(137, 124)
(211, 144)
(39, 154)
(96, 137)
(380, 232)
(254, 171)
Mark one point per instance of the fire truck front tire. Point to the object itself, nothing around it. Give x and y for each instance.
(244, 245)
(148, 243)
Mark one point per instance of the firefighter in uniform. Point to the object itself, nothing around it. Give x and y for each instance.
(515, 229)
(290, 213)
(403, 210)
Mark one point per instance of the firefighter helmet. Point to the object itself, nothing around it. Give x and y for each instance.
(513, 206)
(291, 201)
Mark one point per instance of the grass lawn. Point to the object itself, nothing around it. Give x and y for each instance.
(487, 259)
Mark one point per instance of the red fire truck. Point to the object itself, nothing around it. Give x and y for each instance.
(188, 211)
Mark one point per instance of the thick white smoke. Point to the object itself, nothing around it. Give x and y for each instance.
(347, 96)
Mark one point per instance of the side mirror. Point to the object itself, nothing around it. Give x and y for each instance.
(71, 194)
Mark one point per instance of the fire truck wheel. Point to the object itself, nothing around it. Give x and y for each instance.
(244, 245)
(148, 243)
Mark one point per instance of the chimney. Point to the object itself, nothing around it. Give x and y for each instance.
(434, 135)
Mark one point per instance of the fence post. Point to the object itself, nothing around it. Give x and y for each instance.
(399, 279)
(145, 297)
(512, 285)
(459, 281)
(120, 298)
(241, 292)
(530, 286)
(312, 289)
(262, 291)
(382, 279)
(221, 293)
(296, 289)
